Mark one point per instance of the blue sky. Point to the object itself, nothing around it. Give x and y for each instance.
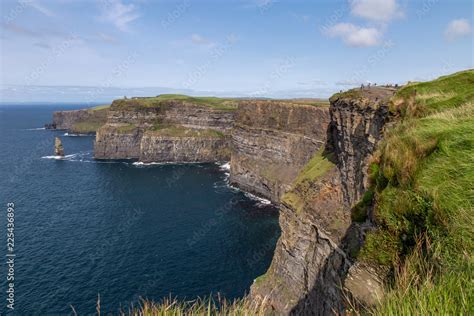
(65, 50)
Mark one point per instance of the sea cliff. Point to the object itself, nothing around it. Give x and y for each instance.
(85, 121)
(272, 141)
(371, 190)
(319, 239)
(168, 128)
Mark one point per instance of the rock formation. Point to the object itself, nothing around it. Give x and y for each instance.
(272, 141)
(58, 147)
(314, 269)
(166, 131)
(79, 121)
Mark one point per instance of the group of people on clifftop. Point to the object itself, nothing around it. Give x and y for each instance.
(362, 86)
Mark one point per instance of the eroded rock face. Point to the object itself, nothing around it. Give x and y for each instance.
(68, 120)
(156, 148)
(271, 142)
(357, 128)
(58, 147)
(198, 117)
(308, 265)
(117, 141)
(313, 269)
(132, 132)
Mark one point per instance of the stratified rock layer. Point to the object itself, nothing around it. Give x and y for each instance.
(157, 148)
(272, 141)
(79, 121)
(314, 254)
(135, 131)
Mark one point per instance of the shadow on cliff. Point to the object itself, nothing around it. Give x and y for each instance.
(327, 295)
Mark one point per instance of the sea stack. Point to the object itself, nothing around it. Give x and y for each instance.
(58, 147)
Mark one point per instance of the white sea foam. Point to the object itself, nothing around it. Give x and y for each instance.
(225, 167)
(67, 157)
(36, 129)
(257, 198)
(144, 164)
(76, 135)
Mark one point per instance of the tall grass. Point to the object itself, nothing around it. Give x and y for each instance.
(424, 200)
(198, 307)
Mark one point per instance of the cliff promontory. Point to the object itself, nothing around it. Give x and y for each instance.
(167, 128)
(86, 121)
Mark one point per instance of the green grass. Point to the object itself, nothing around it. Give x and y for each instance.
(298, 196)
(444, 93)
(222, 104)
(179, 131)
(198, 307)
(87, 127)
(424, 200)
(100, 107)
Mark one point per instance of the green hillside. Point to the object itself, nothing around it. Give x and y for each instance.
(423, 188)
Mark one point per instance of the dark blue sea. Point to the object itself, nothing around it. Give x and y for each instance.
(85, 228)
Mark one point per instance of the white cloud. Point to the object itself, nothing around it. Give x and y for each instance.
(376, 10)
(199, 40)
(120, 14)
(40, 8)
(106, 38)
(458, 28)
(354, 35)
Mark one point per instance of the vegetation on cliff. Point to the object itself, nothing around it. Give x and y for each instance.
(222, 104)
(298, 196)
(198, 307)
(422, 185)
(180, 131)
(96, 120)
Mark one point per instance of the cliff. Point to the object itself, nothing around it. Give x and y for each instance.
(85, 121)
(319, 240)
(272, 141)
(167, 128)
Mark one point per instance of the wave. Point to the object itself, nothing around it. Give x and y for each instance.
(66, 157)
(225, 166)
(76, 135)
(260, 200)
(36, 129)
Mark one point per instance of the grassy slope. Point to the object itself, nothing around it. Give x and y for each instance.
(318, 166)
(422, 180)
(94, 123)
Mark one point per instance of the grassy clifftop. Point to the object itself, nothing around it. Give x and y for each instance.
(422, 182)
(223, 104)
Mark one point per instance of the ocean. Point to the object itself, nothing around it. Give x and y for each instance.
(117, 229)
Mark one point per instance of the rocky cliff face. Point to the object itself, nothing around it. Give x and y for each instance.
(272, 141)
(168, 131)
(117, 141)
(314, 267)
(357, 122)
(79, 121)
(158, 148)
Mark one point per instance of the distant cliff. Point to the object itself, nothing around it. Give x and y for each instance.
(168, 128)
(85, 121)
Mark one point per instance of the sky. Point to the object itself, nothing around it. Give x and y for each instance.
(88, 51)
